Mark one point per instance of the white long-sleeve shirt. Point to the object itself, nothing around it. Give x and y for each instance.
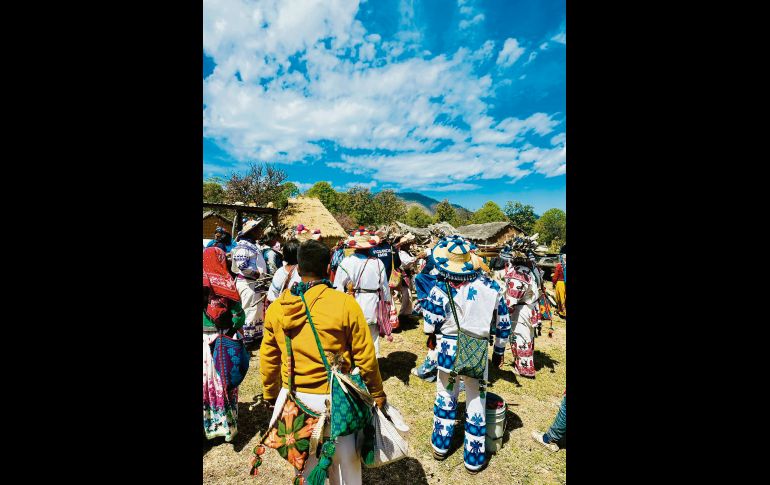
(407, 260)
(279, 282)
(372, 276)
(475, 302)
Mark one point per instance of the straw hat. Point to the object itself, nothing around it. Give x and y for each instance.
(362, 239)
(454, 259)
(248, 227)
(406, 238)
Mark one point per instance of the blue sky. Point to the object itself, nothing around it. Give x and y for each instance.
(457, 99)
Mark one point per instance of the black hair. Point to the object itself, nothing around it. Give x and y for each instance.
(290, 251)
(313, 258)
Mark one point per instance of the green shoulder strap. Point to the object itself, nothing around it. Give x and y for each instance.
(452, 305)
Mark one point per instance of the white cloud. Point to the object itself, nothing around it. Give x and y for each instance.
(532, 56)
(464, 24)
(455, 187)
(544, 46)
(470, 15)
(548, 161)
(484, 52)
(302, 186)
(302, 89)
(561, 38)
(510, 53)
(559, 139)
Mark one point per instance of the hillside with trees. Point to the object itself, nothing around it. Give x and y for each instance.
(263, 184)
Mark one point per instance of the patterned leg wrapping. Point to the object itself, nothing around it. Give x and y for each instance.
(429, 364)
(444, 416)
(475, 426)
(523, 349)
(444, 413)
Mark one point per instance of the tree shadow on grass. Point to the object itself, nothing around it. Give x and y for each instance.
(544, 360)
(399, 364)
(407, 470)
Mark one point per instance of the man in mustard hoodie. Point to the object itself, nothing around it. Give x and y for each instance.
(342, 327)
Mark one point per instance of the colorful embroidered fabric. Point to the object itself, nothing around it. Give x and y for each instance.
(215, 275)
(220, 408)
(291, 438)
(231, 360)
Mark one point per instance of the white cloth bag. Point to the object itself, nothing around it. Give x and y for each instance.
(390, 446)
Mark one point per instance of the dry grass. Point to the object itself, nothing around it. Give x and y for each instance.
(532, 404)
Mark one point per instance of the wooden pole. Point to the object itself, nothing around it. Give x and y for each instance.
(235, 223)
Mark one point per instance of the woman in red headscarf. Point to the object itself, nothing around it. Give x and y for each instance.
(222, 317)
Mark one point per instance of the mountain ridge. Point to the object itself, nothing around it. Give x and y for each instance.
(428, 204)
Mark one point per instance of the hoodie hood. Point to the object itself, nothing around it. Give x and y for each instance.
(294, 315)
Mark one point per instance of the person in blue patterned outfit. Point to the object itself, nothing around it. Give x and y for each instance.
(250, 266)
(423, 282)
(476, 297)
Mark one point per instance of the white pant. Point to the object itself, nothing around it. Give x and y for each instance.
(346, 463)
(375, 331)
(253, 304)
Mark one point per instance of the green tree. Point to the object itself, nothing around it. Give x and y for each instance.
(552, 225)
(417, 217)
(260, 185)
(326, 194)
(388, 207)
(522, 216)
(463, 217)
(359, 205)
(489, 212)
(288, 190)
(445, 213)
(213, 192)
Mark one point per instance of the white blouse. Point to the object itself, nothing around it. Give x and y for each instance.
(367, 274)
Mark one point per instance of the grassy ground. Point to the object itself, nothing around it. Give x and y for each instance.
(532, 404)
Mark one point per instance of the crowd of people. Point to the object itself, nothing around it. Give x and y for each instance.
(317, 314)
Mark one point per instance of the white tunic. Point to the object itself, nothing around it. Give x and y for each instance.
(367, 274)
(475, 303)
(279, 282)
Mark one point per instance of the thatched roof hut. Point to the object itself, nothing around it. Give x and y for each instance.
(444, 229)
(312, 213)
(399, 228)
(490, 233)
